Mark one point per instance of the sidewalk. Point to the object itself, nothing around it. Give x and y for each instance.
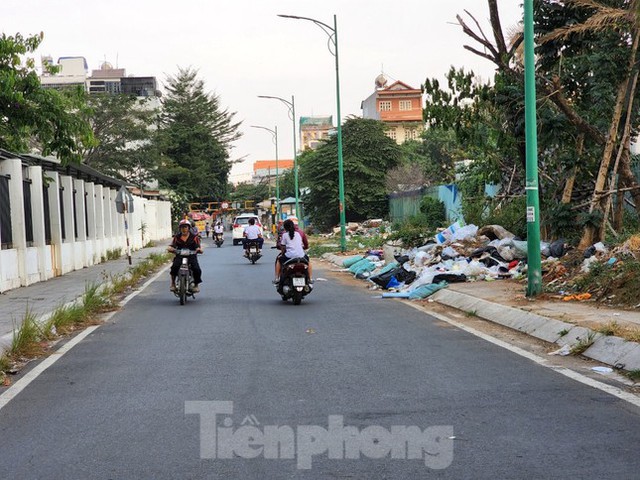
(43, 298)
(561, 323)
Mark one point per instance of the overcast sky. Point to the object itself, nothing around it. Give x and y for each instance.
(242, 49)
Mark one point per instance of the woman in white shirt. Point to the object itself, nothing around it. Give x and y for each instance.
(291, 245)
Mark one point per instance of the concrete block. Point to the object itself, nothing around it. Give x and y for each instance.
(576, 334)
(609, 349)
(631, 359)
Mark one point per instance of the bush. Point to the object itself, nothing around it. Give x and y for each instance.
(434, 211)
(414, 231)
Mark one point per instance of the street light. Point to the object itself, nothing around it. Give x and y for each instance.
(534, 269)
(274, 132)
(292, 114)
(332, 33)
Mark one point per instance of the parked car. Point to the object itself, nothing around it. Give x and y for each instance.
(239, 223)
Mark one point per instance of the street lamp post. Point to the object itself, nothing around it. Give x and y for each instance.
(274, 132)
(534, 269)
(332, 33)
(291, 105)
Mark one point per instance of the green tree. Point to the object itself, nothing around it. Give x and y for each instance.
(195, 138)
(34, 118)
(123, 127)
(368, 153)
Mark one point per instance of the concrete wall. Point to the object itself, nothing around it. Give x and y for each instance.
(84, 211)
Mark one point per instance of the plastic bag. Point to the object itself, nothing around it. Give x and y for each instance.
(347, 262)
(426, 290)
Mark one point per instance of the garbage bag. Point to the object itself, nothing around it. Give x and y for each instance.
(382, 279)
(393, 282)
(353, 268)
(558, 248)
(366, 267)
(401, 258)
(493, 232)
(347, 262)
(449, 278)
(424, 291)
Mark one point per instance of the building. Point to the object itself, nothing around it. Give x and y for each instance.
(106, 79)
(265, 170)
(397, 105)
(72, 72)
(313, 130)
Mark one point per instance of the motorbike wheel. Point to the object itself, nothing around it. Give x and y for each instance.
(297, 298)
(183, 290)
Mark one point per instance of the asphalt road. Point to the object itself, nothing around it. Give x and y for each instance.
(137, 398)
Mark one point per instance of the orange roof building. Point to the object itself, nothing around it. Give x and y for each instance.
(399, 106)
(265, 170)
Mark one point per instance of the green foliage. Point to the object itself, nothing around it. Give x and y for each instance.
(434, 211)
(249, 191)
(367, 155)
(414, 231)
(34, 117)
(560, 221)
(125, 147)
(508, 213)
(194, 137)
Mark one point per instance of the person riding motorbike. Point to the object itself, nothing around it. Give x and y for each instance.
(292, 244)
(218, 228)
(251, 232)
(186, 239)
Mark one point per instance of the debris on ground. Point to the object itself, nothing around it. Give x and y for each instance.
(462, 253)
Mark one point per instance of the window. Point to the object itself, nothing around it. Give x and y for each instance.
(62, 223)
(391, 134)
(411, 134)
(47, 215)
(6, 236)
(28, 213)
(384, 105)
(405, 105)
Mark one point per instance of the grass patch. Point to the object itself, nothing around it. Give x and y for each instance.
(471, 313)
(27, 340)
(583, 343)
(618, 283)
(114, 254)
(563, 332)
(634, 375)
(629, 333)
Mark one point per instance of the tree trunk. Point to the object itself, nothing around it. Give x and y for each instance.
(568, 186)
(626, 90)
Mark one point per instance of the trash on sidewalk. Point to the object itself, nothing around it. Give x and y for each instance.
(563, 351)
(602, 370)
(578, 296)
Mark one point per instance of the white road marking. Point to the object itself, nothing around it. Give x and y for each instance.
(610, 389)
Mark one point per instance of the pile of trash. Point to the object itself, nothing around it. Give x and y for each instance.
(369, 228)
(469, 253)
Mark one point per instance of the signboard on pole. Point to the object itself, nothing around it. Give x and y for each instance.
(124, 205)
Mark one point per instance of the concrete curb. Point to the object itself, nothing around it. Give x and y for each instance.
(611, 350)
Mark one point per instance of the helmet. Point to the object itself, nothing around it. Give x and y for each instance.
(184, 222)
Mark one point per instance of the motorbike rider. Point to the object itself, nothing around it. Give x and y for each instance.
(292, 245)
(218, 229)
(185, 239)
(252, 232)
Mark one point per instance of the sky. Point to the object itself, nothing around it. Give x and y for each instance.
(242, 49)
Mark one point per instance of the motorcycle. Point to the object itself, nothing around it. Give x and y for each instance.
(253, 251)
(218, 239)
(184, 279)
(294, 280)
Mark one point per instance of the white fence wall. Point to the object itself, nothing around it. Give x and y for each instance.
(84, 224)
